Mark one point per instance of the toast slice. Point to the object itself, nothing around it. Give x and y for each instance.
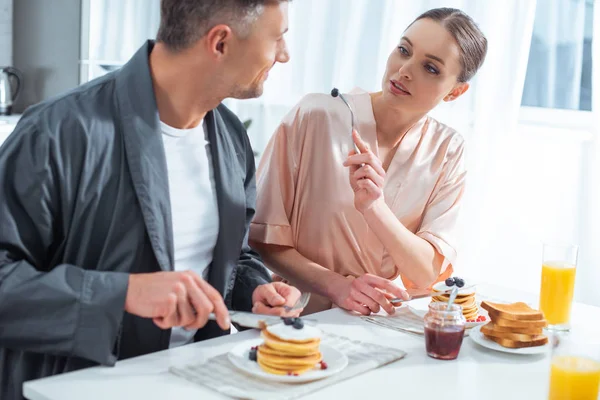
(489, 331)
(528, 330)
(514, 311)
(508, 323)
(514, 344)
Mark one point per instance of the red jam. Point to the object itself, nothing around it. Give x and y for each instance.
(444, 344)
(444, 331)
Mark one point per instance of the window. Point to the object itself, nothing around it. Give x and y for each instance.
(559, 70)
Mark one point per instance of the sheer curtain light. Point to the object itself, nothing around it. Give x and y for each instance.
(555, 73)
(588, 279)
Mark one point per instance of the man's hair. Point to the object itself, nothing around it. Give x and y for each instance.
(183, 22)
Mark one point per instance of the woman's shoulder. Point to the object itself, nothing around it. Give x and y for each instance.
(448, 138)
(325, 104)
(318, 103)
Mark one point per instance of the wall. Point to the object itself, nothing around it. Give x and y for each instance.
(46, 43)
(6, 15)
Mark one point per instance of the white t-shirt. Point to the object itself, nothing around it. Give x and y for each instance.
(194, 209)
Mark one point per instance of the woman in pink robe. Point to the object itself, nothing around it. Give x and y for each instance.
(344, 225)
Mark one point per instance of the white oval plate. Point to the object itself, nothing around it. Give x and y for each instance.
(239, 357)
(420, 307)
(478, 337)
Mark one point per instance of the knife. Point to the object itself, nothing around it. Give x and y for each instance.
(251, 320)
(421, 294)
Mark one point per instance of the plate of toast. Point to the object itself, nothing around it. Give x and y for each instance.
(513, 328)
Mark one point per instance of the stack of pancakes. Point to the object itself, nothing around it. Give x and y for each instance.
(514, 325)
(289, 351)
(466, 300)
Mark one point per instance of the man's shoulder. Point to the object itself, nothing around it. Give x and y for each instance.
(81, 106)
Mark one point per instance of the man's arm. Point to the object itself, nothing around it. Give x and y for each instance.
(251, 271)
(54, 309)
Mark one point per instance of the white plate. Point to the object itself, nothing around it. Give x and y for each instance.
(420, 307)
(480, 339)
(239, 356)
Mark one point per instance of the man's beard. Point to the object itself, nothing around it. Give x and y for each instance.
(252, 92)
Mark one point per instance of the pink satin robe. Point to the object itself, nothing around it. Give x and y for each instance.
(305, 201)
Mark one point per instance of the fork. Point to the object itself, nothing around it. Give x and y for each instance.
(301, 303)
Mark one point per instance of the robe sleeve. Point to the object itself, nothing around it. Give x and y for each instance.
(276, 184)
(251, 271)
(62, 309)
(439, 224)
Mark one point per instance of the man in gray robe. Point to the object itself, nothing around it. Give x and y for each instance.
(97, 264)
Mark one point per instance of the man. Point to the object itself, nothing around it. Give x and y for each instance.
(125, 203)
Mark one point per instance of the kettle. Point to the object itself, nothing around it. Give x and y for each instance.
(10, 86)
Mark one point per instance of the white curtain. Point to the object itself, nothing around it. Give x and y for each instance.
(119, 27)
(588, 274)
(333, 44)
(554, 73)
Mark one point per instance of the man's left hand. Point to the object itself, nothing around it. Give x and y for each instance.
(271, 298)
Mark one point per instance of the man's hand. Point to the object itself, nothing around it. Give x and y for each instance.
(272, 297)
(175, 299)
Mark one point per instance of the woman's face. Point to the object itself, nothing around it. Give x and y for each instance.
(423, 69)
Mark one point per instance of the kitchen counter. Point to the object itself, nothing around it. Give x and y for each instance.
(7, 125)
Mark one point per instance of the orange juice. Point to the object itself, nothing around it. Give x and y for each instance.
(556, 295)
(575, 378)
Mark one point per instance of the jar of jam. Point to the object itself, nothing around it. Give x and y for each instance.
(444, 330)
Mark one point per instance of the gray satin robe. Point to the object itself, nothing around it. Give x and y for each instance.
(84, 202)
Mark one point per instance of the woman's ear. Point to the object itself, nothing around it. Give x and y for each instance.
(458, 90)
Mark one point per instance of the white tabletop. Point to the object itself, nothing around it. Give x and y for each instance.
(478, 373)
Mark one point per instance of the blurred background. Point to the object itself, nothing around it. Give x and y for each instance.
(530, 119)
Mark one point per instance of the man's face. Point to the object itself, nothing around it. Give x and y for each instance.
(252, 57)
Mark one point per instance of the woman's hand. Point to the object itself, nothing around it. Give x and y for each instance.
(366, 294)
(367, 175)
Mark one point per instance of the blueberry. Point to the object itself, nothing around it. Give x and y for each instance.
(252, 355)
(298, 323)
(459, 282)
(288, 321)
(450, 282)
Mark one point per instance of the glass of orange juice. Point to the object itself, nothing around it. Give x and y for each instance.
(558, 283)
(574, 368)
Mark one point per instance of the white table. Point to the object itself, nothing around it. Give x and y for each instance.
(478, 373)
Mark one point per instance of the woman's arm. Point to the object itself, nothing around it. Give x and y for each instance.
(415, 257)
(288, 263)
(364, 294)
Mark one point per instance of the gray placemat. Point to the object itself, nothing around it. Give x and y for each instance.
(406, 321)
(220, 375)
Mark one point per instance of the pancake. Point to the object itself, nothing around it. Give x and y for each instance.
(465, 298)
(289, 350)
(282, 371)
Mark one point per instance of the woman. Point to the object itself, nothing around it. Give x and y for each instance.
(344, 225)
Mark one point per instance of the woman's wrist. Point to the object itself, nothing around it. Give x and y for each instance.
(333, 287)
(376, 211)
